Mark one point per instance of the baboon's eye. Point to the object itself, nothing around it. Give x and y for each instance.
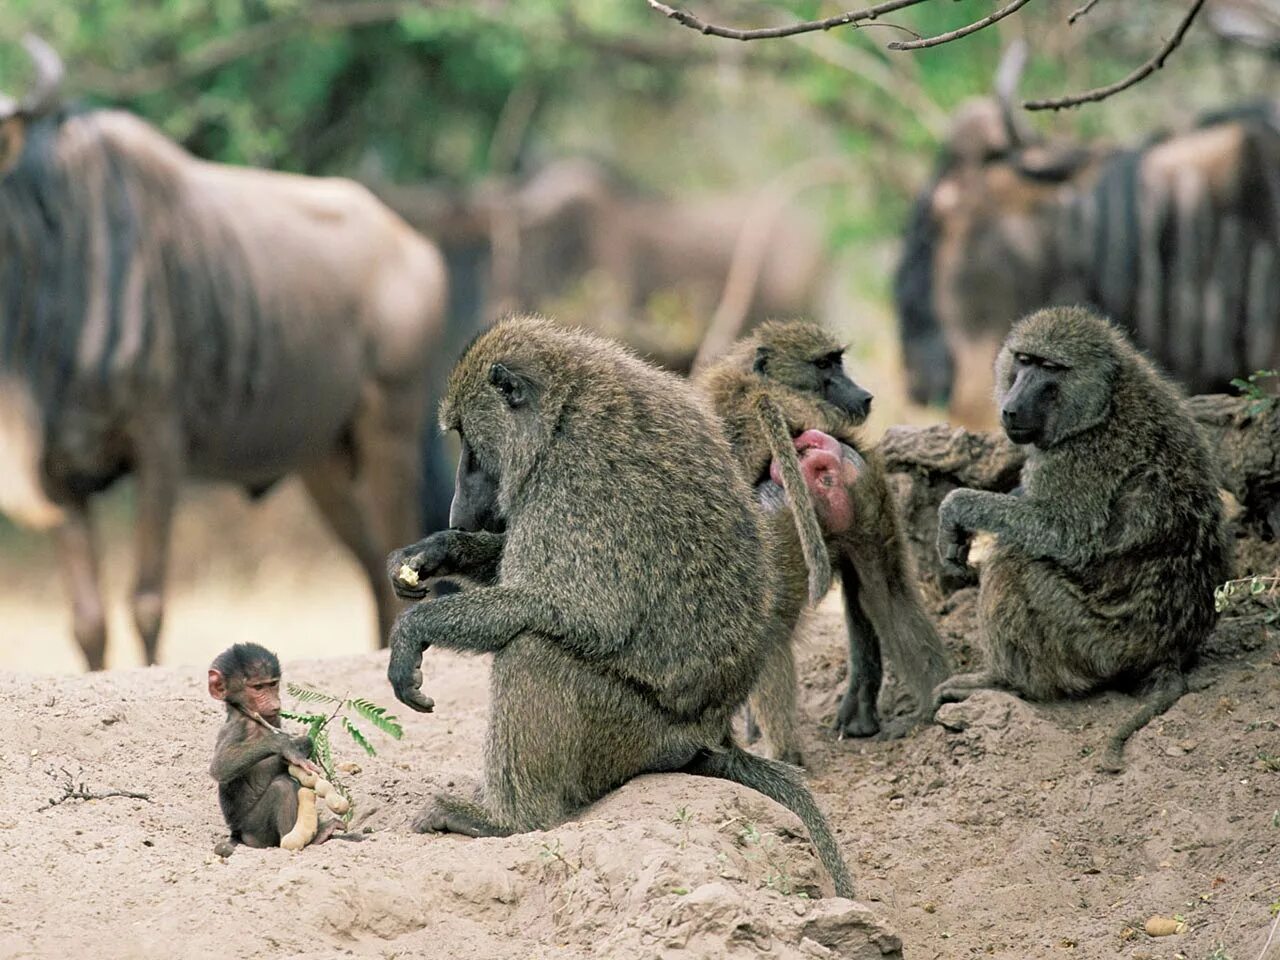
(1052, 365)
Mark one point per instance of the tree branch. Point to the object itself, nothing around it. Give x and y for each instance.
(962, 32)
(789, 30)
(1081, 11)
(70, 791)
(1148, 68)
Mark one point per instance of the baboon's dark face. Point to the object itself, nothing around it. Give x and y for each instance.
(496, 420)
(1029, 406)
(822, 375)
(475, 496)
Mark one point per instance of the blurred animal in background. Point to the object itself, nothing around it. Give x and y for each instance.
(574, 241)
(162, 317)
(1178, 240)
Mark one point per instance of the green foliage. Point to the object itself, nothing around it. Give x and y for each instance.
(1252, 388)
(317, 726)
(415, 91)
(1256, 595)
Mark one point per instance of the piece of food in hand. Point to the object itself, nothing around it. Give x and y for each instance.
(304, 828)
(326, 791)
(407, 575)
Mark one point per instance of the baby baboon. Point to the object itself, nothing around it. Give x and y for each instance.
(1104, 566)
(618, 581)
(799, 367)
(259, 800)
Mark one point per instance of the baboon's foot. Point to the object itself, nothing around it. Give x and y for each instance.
(452, 814)
(326, 831)
(898, 727)
(855, 718)
(961, 687)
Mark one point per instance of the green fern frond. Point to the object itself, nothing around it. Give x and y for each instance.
(378, 716)
(309, 694)
(322, 753)
(308, 718)
(358, 736)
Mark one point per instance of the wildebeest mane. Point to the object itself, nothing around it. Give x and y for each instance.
(1190, 279)
(113, 276)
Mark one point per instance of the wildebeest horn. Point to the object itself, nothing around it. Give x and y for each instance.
(1008, 75)
(47, 87)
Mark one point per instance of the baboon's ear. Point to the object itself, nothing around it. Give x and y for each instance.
(762, 360)
(217, 685)
(514, 387)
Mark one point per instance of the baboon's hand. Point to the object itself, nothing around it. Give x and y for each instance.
(404, 670)
(953, 535)
(411, 567)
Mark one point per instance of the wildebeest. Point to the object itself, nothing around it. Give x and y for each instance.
(163, 316)
(1178, 240)
(645, 268)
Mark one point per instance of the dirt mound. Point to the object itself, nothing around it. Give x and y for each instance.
(669, 865)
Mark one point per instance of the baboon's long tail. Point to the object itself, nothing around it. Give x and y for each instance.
(812, 543)
(780, 782)
(1169, 690)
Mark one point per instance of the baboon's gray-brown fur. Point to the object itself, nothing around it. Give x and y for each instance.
(619, 583)
(1105, 565)
(797, 365)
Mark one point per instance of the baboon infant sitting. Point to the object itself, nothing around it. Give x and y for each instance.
(796, 368)
(1104, 566)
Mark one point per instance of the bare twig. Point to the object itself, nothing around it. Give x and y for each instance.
(1081, 11)
(1148, 68)
(787, 30)
(1270, 936)
(950, 35)
(72, 791)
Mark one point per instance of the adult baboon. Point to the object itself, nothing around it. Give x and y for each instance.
(799, 367)
(1104, 566)
(620, 583)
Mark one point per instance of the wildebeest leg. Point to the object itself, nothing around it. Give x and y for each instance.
(388, 432)
(332, 485)
(157, 477)
(78, 559)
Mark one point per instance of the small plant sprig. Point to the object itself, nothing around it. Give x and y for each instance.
(1251, 389)
(317, 723)
(1250, 595)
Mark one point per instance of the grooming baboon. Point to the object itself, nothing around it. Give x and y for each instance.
(1104, 566)
(259, 799)
(620, 584)
(798, 366)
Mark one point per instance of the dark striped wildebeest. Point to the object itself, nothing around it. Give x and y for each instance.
(1178, 240)
(165, 317)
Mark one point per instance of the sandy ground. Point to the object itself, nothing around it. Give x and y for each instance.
(990, 835)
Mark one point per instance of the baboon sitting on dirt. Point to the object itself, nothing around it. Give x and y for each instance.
(1104, 566)
(618, 579)
(799, 368)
